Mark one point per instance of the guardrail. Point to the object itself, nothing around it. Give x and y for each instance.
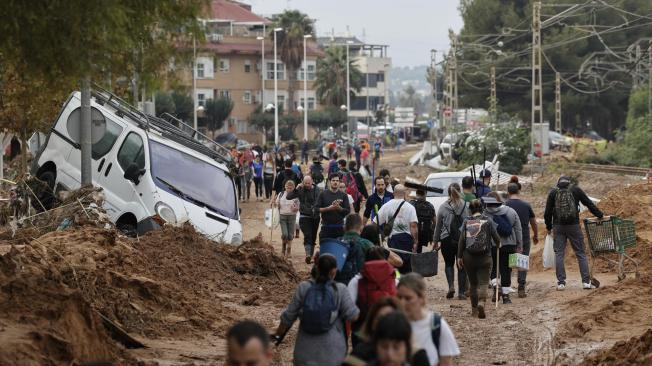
(615, 169)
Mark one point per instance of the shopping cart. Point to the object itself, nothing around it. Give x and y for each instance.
(612, 235)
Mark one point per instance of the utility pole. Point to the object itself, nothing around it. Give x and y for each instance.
(558, 102)
(637, 73)
(435, 91)
(537, 99)
(493, 103)
(453, 78)
(447, 95)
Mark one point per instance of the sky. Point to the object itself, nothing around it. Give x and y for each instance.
(411, 28)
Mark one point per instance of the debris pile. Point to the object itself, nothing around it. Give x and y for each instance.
(636, 351)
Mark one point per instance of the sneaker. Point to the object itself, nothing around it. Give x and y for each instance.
(506, 299)
(588, 286)
(561, 287)
(521, 293)
(481, 313)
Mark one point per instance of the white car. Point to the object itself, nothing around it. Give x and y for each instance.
(151, 171)
(442, 180)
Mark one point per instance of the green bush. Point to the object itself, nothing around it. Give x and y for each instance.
(510, 142)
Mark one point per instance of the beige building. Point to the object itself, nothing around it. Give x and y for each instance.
(230, 64)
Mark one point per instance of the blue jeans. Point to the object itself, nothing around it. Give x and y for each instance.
(403, 241)
(287, 223)
(574, 234)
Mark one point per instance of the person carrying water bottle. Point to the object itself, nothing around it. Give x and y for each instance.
(322, 306)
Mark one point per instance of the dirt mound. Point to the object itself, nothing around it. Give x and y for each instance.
(171, 282)
(636, 351)
(633, 202)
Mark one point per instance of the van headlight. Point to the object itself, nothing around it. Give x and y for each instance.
(236, 239)
(164, 211)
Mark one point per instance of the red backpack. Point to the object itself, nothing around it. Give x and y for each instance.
(378, 281)
(352, 187)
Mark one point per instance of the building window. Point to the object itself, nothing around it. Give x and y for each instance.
(225, 65)
(242, 127)
(200, 71)
(247, 97)
(311, 72)
(280, 71)
(311, 103)
(225, 94)
(247, 66)
(201, 99)
(381, 77)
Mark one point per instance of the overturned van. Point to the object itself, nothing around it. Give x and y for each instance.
(152, 170)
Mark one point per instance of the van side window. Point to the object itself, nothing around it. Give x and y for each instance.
(132, 151)
(102, 147)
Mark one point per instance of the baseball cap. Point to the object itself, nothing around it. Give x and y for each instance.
(485, 173)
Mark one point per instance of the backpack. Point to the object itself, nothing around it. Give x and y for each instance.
(317, 173)
(435, 330)
(389, 225)
(565, 206)
(350, 267)
(352, 186)
(456, 225)
(504, 228)
(319, 309)
(478, 235)
(369, 292)
(425, 213)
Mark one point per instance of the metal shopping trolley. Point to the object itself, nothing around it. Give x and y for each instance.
(612, 235)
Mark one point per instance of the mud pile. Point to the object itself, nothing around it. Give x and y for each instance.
(172, 282)
(634, 352)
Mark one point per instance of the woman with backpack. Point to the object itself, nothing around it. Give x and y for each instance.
(322, 306)
(508, 226)
(447, 234)
(429, 330)
(474, 255)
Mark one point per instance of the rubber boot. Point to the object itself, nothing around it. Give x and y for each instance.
(461, 283)
(289, 249)
(283, 249)
(481, 312)
(474, 312)
(450, 278)
(506, 299)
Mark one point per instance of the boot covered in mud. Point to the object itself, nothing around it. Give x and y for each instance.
(450, 278)
(474, 312)
(506, 299)
(481, 312)
(284, 250)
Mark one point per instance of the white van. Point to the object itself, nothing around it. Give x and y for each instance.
(152, 170)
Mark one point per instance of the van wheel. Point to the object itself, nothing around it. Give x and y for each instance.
(127, 228)
(46, 195)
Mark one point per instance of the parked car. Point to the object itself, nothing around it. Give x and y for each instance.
(442, 180)
(559, 141)
(151, 172)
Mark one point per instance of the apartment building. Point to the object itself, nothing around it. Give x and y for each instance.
(231, 64)
(374, 63)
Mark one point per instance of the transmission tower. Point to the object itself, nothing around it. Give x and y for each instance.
(453, 77)
(537, 98)
(557, 102)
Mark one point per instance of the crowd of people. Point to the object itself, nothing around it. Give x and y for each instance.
(373, 301)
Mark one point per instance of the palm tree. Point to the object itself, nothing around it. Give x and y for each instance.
(295, 25)
(331, 77)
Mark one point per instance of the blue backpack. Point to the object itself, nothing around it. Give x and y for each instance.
(350, 268)
(319, 308)
(504, 228)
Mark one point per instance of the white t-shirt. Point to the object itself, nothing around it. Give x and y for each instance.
(422, 335)
(405, 217)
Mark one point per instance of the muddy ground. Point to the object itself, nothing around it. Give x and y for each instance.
(177, 293)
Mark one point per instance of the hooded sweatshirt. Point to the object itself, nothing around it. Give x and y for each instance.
(578, 195)
(516, 237)
(445, 217)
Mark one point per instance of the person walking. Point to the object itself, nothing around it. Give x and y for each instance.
(508, 227)
(288, 208)
(332, 205)
(283, 176)
(562, 217)
(388, 180)
(317, 171)
(268, 174)
(364, 158)
(402, 219)
(467, 189)
(307, 194)
(528, 219)
(355, 185)
(238, 178)
(350, 198)
(482, 185)
(392, 343)
(304, 152)
(258, 178)
(429, 330)
(447, 234)
(357, 249)
(371, 233)
(322, 306)
(376, 200)
(474, 255)
(247, 177)
(427, 219)
(357, 149)
(248, 343)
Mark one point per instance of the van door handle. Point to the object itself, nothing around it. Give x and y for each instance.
(99, 169)
(108, 169)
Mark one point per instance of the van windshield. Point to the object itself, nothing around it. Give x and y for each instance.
(193, 179)
(442, 183)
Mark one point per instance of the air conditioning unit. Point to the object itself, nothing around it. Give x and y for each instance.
(216, 38)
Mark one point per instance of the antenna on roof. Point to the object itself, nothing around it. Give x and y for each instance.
(364, 35)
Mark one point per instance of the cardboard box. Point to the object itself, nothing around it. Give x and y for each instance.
(519, 261)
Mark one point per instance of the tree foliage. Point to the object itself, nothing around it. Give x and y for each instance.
(183, 105)
(217, 111)
(295, 25)
(506, 140)
(330, 83)
(567, 44)
(410, 98)
(164, 104)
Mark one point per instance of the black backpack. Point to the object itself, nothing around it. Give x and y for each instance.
(455, 227)
(565, 207)
(317, 173)
(425, 214)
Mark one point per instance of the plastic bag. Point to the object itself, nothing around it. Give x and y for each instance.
(272, 217)
(549, 252)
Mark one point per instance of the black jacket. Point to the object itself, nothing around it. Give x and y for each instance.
(325, 199)
(580, 197)
(282, 177)
(307, 199)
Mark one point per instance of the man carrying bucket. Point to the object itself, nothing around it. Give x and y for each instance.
(404, 232)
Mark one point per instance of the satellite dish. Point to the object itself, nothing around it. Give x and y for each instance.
(98, 125)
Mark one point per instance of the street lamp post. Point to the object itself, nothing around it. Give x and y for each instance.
(348, 91)
(305, 88)
(276, 140)
(262, 77)
(194, 82)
